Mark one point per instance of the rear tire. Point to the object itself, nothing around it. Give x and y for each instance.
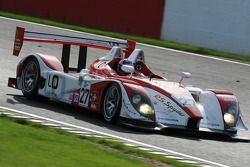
(112, 103)
(30, 77)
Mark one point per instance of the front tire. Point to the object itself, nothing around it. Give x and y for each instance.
(30, 77)
(112, 103)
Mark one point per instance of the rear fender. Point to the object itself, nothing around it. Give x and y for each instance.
(51, 62)
(46, 63)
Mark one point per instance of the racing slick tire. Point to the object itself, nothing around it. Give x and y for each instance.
(30, 77)
(112, 103)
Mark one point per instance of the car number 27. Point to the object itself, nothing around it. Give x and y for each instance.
(84, 95)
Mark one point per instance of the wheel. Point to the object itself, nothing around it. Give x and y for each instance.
(30, 77)
(112, 103)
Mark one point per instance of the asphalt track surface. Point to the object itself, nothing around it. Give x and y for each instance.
(206, 73)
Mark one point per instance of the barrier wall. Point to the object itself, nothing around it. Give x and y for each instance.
(140, 17)
(218, 24)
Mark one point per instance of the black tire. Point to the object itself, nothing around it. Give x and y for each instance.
(112, 103)
(30, 77)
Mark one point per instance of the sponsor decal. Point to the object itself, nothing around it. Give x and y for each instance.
(81, 97)
(113, 44)
(74, 98)
(169, 105)
(80, 80)
(211, 124)
(93, 100)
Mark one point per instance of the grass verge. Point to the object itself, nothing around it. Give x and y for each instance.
(166, 44)
(24, 143)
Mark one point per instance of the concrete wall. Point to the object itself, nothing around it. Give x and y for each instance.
(140, 17)
(218, 24)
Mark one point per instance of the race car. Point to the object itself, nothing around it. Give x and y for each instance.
(120, 86)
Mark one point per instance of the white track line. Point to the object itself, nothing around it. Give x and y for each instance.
(158, 47)
(116, 137)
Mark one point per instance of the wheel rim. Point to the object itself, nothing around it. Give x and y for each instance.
(30, 76)
(111, 102)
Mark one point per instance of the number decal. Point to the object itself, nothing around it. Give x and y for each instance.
(114, 43)
(75, 98)
(84, 96)
(53, 82)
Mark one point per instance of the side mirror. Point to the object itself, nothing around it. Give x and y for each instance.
(184, 75)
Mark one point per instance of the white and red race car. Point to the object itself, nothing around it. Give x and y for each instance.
(120, 86)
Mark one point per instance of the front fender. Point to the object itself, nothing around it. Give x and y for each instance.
(130, 110)
(240, 123)
(215, 104)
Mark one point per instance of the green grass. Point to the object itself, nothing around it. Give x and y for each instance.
(167, 44)
(141, 153)
(24, 143)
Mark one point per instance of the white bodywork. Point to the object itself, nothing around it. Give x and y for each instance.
(211, 111)
(70, 88)
(167, 111)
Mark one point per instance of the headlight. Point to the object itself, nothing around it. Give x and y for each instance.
(142, 104)
(229, 119)
(146, 109)
(231, 114)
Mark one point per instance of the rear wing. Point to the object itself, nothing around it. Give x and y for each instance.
(67, 41)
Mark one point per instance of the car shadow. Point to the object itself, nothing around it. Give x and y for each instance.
(76, 112)
(200, 135)
(97, 119)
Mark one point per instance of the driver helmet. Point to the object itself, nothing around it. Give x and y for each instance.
(122, 62)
